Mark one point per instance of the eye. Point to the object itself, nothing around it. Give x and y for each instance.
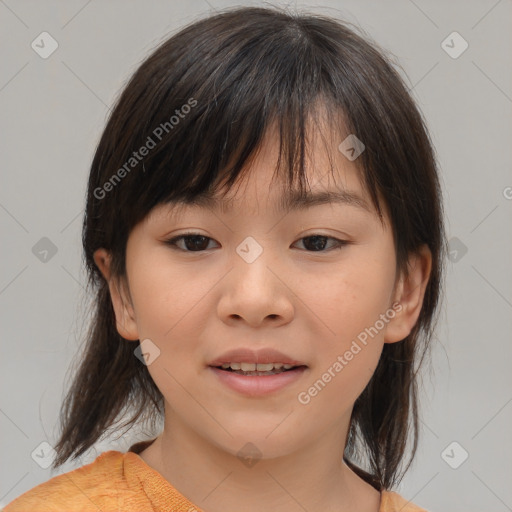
(195, 242)
(318, 242)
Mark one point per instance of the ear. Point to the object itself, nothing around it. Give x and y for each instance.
(121, 301)
(409, 294)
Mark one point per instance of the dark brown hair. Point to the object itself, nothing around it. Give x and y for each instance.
(202, 102)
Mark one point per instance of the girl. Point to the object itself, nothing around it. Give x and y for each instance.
(277, 326)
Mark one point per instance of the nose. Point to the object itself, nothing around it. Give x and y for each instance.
(256, 291)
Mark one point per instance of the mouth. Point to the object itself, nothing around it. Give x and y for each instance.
(258, 379)
(257, 373)
(259, 369)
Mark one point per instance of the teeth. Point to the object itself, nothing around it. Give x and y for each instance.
(260, 367)
(265, 367)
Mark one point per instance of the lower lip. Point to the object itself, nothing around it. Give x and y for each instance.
(258, 385)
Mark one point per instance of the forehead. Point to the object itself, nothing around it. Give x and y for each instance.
(261, 193)
(328, 178)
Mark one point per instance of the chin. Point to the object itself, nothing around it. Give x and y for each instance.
(256, 443)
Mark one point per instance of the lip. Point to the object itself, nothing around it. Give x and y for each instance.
(247, 355)
(258, 385)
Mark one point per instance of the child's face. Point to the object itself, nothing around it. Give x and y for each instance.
(303, 297)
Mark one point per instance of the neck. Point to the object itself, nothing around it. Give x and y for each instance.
(312, 478)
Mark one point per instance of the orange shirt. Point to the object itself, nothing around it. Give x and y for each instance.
(123, 482)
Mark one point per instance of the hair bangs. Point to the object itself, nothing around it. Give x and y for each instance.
(238, 104)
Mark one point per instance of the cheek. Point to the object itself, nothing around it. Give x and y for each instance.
(336, 387)
(347, 356)
(353, 304)
(165, 296)
(353, 296)
(168, 312)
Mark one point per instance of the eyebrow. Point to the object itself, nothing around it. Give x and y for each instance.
(293, 200)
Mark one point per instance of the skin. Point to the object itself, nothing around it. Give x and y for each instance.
(306, 302)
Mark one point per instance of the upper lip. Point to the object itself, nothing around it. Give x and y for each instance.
(247, 355)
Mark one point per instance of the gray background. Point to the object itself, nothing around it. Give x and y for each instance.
(54, 110)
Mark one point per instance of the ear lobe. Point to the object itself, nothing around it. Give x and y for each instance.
(410, 293)
(121, 301)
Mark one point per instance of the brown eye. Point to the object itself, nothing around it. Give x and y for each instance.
(317, 243)
(193, 242)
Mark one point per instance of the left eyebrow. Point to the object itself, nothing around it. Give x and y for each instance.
(293, 200)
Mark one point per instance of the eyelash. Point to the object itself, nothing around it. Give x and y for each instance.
(172, 241)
